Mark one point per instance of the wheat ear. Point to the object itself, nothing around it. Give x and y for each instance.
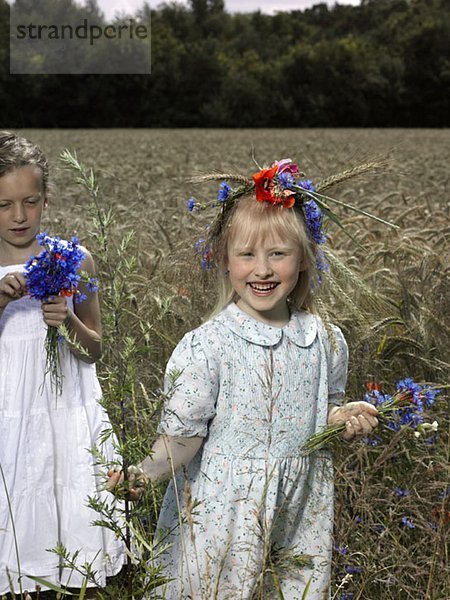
(242, 179)
(374, 165)
(324, 315)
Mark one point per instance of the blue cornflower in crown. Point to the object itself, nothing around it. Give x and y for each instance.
(224, 192)
(284, 185)
(55, 272)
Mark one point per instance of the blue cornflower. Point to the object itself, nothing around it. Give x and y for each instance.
(376, 398)
(321, 263)
(203, 251)
(313, 216)
(307, 184)
(429, 395)
(92, 285)
(223, 192)
(372, 440)
(286, 180)
(393, 425)
(41, 238)
(191, 204)
(446, 493)
(347, 596)
(198, 245)
(352, 569)
(80, 298)
(407, 523)
(415, 389)
(402, 493)
(341, 550)
(410, 418)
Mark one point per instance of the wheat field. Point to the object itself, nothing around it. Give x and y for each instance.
(389, 293)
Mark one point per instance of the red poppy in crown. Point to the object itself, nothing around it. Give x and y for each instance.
(264, 184)
(268, 189)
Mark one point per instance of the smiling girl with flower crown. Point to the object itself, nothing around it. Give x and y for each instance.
(47, 471)
(246, 514)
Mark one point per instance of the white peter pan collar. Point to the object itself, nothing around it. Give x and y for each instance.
(301, 328)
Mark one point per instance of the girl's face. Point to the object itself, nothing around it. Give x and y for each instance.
(21, 203)
(263, 274)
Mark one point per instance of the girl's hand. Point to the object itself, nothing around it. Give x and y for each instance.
(360, 418)
(136, 483)
(55, 311)
(12, 287)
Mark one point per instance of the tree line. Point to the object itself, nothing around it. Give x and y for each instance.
(384, 63)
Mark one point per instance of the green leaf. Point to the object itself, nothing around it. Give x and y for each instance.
(49, 584)
(306, 589)
(360, 211)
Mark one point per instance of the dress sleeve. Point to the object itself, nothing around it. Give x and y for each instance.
(191, 384)
(337, 368)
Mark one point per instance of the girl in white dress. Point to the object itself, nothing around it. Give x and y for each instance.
(246, 390)
(47, 469)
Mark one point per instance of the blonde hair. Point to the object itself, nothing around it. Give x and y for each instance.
(251, 221)
(16, 151)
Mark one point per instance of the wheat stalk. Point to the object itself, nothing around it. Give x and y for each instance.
(374, 301)
(242, 179)
(324, 315)
(374, 165)
(339, 292)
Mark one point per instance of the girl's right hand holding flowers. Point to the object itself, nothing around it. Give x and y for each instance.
(360, 418)
(55, 311)
(12, 287)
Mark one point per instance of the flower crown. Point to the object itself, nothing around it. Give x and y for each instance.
(281, 184)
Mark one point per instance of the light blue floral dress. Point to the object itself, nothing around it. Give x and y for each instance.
(249, 501)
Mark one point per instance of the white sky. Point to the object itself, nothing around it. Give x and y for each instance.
(111, 7)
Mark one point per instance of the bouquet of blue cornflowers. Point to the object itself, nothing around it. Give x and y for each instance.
(54, 272)
(404, 408)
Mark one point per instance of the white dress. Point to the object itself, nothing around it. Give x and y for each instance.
(249, 499)
(45, 460)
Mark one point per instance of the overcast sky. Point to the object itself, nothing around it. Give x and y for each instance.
(110, 7)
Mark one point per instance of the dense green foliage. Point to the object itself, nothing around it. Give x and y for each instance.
(385, 63)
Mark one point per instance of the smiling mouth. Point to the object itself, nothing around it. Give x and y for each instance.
(263, 287)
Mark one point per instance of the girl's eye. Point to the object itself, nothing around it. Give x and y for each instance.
(32, 201)
(278, 253)
(3, 205)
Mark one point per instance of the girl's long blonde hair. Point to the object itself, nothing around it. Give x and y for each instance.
(252, 220)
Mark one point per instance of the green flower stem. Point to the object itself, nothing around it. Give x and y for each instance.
(53, 361)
